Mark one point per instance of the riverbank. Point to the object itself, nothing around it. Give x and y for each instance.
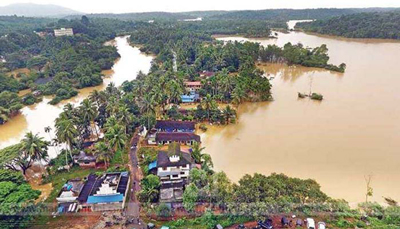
(36, 117)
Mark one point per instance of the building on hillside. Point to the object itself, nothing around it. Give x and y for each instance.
(192, 85)
(173, 168)
(41, 34)
(175, 126)
(164, 138)
(190, 98)
(206, 74)
(85, 160)
(63, 32)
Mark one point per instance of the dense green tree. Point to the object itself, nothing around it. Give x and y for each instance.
(150, 185)
(190, 197)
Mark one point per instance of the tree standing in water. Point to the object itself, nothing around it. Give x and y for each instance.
(370, 191)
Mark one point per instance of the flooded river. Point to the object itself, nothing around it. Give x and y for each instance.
(353, 132)
(34, 118)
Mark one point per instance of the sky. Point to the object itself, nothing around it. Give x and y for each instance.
(125, 6)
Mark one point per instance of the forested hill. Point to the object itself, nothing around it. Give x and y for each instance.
(269, 14)
(362, 25)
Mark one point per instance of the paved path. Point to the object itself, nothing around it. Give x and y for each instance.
(133, 205)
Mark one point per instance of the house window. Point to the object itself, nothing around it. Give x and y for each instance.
(175, 176)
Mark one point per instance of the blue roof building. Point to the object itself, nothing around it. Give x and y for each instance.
(107, 192)
(191, 98)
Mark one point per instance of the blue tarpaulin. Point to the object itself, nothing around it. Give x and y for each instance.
(105, 199)
(153, 165)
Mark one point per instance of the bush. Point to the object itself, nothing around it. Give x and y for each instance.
(392, 215)
(203, 127)
(163, 210)
(317, 96)
(342, 223)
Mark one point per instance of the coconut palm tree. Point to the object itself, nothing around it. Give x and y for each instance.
(147, 106)
(174, 90)
(228, 114)
(66, 132)
(238, 95)
(201, 158)
(196, 152)
(208, 104)
(33, 148)
(103, 153)
(111, 121)
(125, 117)
(88, 113)
(48, 129)
(116, 138)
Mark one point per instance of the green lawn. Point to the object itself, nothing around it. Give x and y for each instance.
(59, 179)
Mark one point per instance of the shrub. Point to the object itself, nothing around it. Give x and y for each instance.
(163, 210)
(203, 127)
(317, 96)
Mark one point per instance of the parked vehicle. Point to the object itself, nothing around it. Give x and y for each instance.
(284, 222)
(299, 223)
(310, 223)
(321, 225)
(267, 224)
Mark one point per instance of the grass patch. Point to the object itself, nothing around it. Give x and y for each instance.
(150, 155)
(59, 179)
(207, 221)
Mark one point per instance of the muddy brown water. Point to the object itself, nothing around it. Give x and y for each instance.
(352, 133)
(34, 118)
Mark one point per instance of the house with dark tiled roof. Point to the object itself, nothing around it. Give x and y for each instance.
(175, 126)
(173, 168)
(85, 160)
(164, 138)
(168, 131)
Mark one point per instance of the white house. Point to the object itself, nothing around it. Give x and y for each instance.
(63, 32)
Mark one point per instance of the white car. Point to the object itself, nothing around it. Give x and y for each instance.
(321, 225)
(310, 223)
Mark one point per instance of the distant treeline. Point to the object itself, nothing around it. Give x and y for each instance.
(362, 25)
(269, 14)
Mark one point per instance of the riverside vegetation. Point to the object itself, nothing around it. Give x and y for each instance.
(117, 112)
(385, 25)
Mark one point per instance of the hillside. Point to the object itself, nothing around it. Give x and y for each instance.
(384, 25)
(36, 10)
(270, 14)
(292, 14)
